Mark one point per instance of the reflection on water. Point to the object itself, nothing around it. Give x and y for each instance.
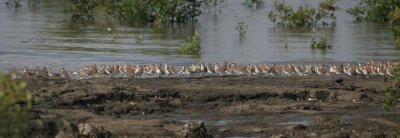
(45, 36)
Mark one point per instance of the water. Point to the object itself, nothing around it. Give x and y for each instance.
(44, 36)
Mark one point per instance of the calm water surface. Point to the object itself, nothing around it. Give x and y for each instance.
(45, 36)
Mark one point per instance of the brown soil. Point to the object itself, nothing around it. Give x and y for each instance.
(312, 106)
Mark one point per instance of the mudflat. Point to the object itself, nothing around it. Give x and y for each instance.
(251, 106)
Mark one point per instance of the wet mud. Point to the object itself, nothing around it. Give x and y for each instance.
(252, 106)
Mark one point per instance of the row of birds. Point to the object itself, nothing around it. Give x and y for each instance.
(369, 68)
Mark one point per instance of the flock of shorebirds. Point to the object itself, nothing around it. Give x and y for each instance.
(158, 70)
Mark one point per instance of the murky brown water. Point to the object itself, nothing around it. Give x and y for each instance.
(44, 36)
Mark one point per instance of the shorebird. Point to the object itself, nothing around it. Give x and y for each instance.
(102, 70)
(121, 69)
(27, 73)
(320, 69)
(249, 69)
(115, 69)
(108, 70)
(381, 70)
(171, 68)
(167, 72)
(15, 74)
(264, 68)
(38, 72)
(50, 73)
(83, 71)
(93, 69)
(128, 69)
(257, 70)
(210, 68)
(159, 69)
(138, 70)
(299, 70)
(241, 69)
(218, 69)
(230, 69)
(203, 68)
(181, 69)
(63, 73)
(286, 69)
(365, 71)
(389, 72)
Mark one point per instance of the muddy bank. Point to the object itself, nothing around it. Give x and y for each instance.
(312, 106)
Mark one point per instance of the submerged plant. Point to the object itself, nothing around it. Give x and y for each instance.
(192, 45)
(322, 44)
(15, 103)
(241, 28)
(395, 23)
(139, 39)
(285, 15)
(253, 3)
(157, 24)
(373, 10)
(13, 3)
(381, 11)
(137, 10)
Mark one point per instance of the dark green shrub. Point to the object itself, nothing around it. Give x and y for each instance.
(285, 15)
(138, 10)
(374, 10)
(15, 102)
(382, 11)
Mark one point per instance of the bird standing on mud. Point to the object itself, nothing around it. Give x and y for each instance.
(63, 73)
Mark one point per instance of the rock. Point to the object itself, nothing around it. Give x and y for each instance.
(193, 130)
(86, 130)
(339, 80)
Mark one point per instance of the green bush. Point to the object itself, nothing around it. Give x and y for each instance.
(395, 21)
(374, 10)
(381, 11)
(285, 15)
(391, 97)
(192, 45)
(322, 44)
(15, 103)
(137, 10)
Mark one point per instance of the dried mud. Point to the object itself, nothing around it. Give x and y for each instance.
(312, 106)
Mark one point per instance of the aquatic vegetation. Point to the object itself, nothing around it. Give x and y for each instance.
(253, 3)
(138, 10)
(373, 10)
(13, 3)
(285, 15)
(15, 103)
(395, 21)
(139, 39)
(83, 9)
(192, 45)
(322, 44)
(241, 27)
(381, 11)
(157, 25)
(286, 43)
